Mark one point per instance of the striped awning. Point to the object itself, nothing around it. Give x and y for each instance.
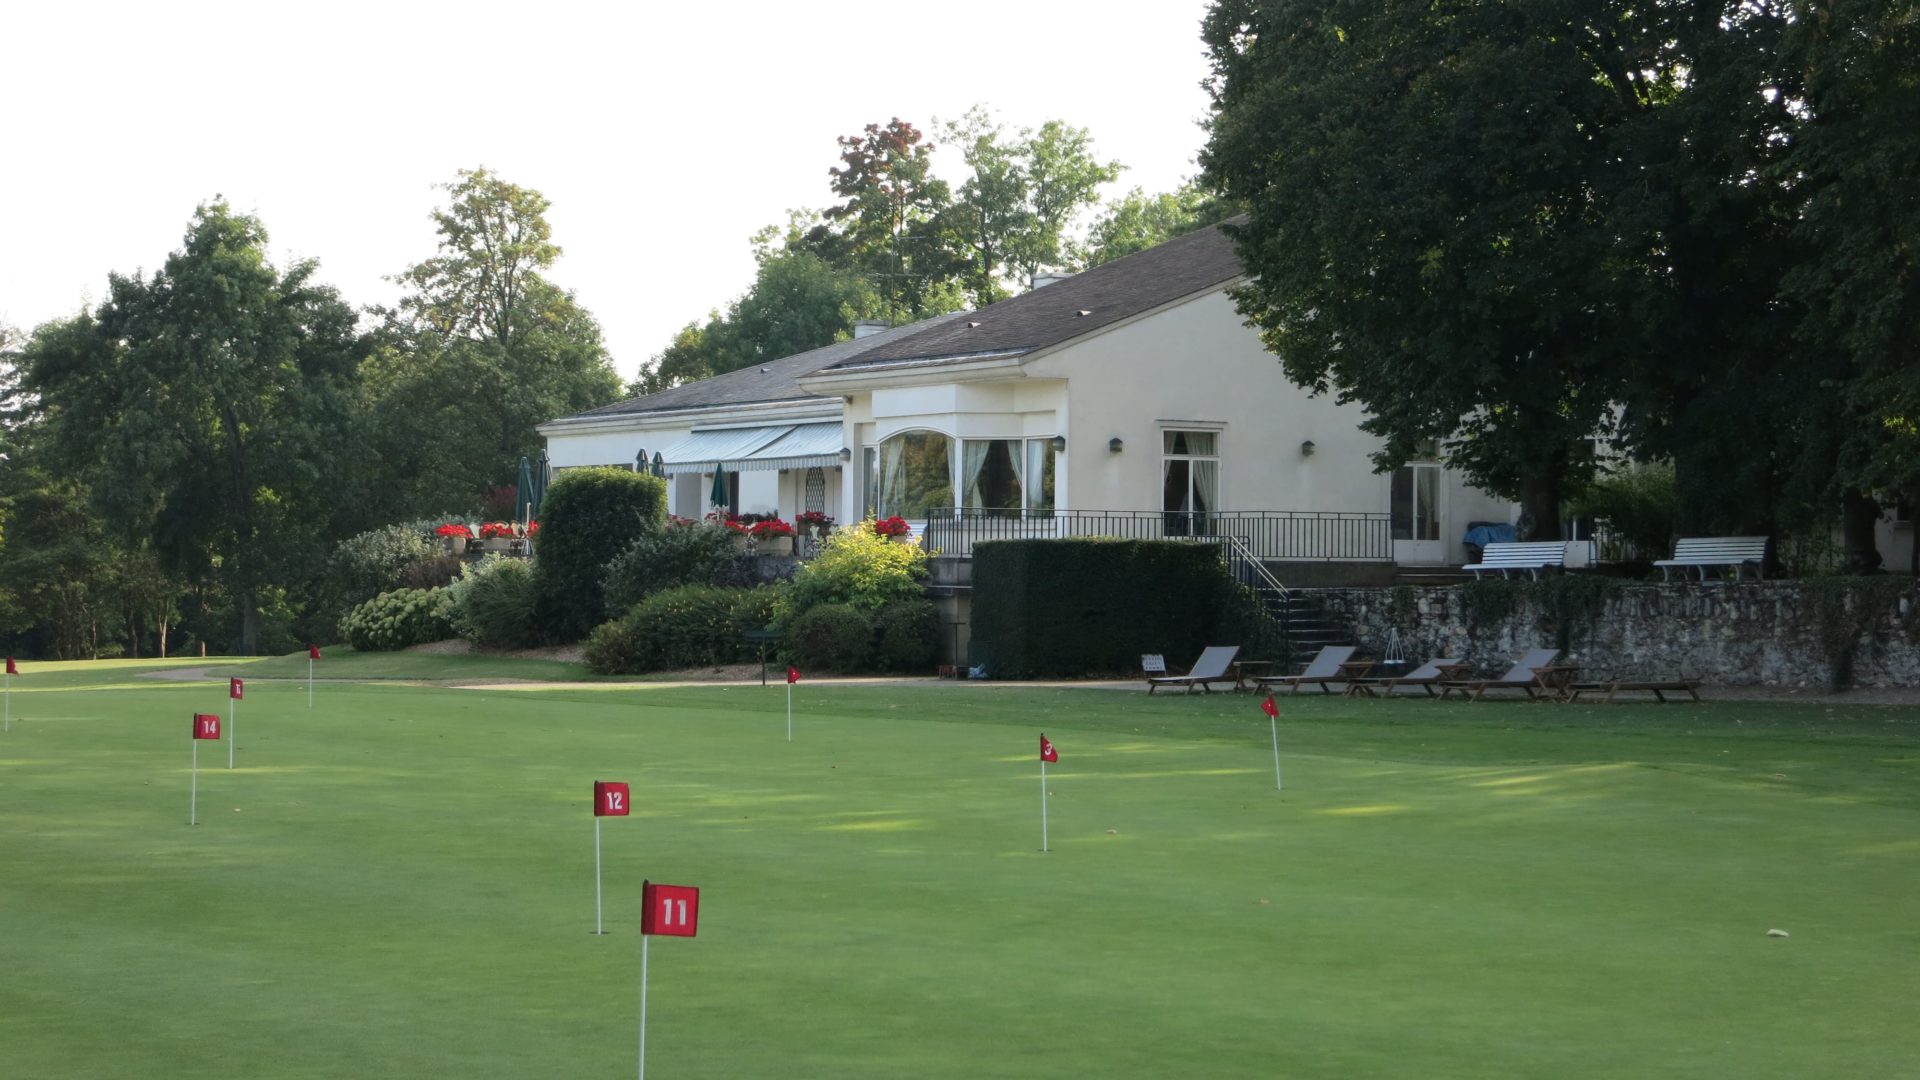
(782, 446)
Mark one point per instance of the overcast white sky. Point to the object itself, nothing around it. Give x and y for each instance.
(664, 135)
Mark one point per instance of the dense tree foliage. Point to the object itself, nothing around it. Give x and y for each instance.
(901, 244)
(177, 461)
(1510, 228)
(483, 345)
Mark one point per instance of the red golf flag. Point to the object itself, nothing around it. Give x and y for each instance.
(1047, 752)
(236, 689)
(206, 726)
(793, 674)
(313, 652)
(11, 668)
(1270, 708)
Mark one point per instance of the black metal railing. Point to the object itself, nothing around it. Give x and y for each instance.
(1267, 534)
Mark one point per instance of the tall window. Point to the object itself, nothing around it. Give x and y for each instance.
(1007, 476)
(916, 473)
(1415, 504)
(869, 480)
(1190, 480)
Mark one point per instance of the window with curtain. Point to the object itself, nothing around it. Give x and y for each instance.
(916, 473)
(1190, 480)
(1007, 476)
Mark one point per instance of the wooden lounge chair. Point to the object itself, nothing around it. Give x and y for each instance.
(1324, 669)
(1210, 668)
(1659, 688)
(1427, 676)
(1521, 676)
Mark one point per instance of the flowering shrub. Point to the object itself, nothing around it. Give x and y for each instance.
(533, 528)
(495, 530)
(454, 528)
(814, 520)
(861, 567)
(762, 530)
(397, 619)
(893, 526)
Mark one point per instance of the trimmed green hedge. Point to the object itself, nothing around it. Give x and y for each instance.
(588, 517)
(1092, 606)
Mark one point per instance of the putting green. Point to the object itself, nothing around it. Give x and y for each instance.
(399, 882)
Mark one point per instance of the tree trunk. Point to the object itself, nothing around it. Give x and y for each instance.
(163, 637)
(1859, 514)
(249, 622)
(1539, 508)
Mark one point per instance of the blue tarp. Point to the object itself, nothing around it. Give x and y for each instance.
(1482, 535)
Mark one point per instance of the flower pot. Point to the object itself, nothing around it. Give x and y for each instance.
(496, 543)
(456, 545)
(743, 544)
(777, 545)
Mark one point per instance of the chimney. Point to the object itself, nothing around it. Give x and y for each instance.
(1041, 281)
(869, 327)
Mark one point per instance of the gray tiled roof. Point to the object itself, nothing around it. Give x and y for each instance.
(1081, 304)
(773, 381)
(1068, 309)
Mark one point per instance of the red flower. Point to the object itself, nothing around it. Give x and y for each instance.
(454, 528)
(494, 530)
(893, 526)
(764, 529)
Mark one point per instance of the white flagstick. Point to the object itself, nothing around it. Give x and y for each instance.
(193, 797)
(1043, 804)
(643, 1005)
(9, 679)
(229, 732)
(596, 877)
(309, 681)
(789, 710)
(1275, 722)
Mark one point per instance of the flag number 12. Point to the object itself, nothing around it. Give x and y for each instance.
(615, 800)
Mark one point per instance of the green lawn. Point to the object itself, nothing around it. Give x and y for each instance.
(398, 882)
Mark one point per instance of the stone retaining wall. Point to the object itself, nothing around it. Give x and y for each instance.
(1766, 633)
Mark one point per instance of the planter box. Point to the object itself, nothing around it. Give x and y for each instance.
(777, 545)
(743, 544)
(496, 543)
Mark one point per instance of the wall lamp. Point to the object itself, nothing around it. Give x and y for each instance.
(1306, 448)
(846, 454)
(1059, 443)
(1114, 444)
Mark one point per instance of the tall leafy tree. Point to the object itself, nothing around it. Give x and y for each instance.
(207, 408)
(1063, 178)
(1137, 221)
(1428, 231)
(483, 347)
(889, 224)
(1852, 68)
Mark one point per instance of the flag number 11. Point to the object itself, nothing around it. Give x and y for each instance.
(670, 909)
(666, 912)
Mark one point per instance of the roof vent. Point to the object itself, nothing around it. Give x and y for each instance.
(1083, 314)
(869, 327)
(971, 325)
(1041, 281)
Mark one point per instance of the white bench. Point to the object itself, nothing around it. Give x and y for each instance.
(1532, 556)
(1700, 552)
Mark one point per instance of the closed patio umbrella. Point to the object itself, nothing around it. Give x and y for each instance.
(526, 501)
(719, 496)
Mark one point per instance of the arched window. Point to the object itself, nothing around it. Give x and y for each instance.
(916, 472)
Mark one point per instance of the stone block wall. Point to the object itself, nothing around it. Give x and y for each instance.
(1813, 633)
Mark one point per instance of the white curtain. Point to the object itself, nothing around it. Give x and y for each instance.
(893, 471)
(973, 454)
